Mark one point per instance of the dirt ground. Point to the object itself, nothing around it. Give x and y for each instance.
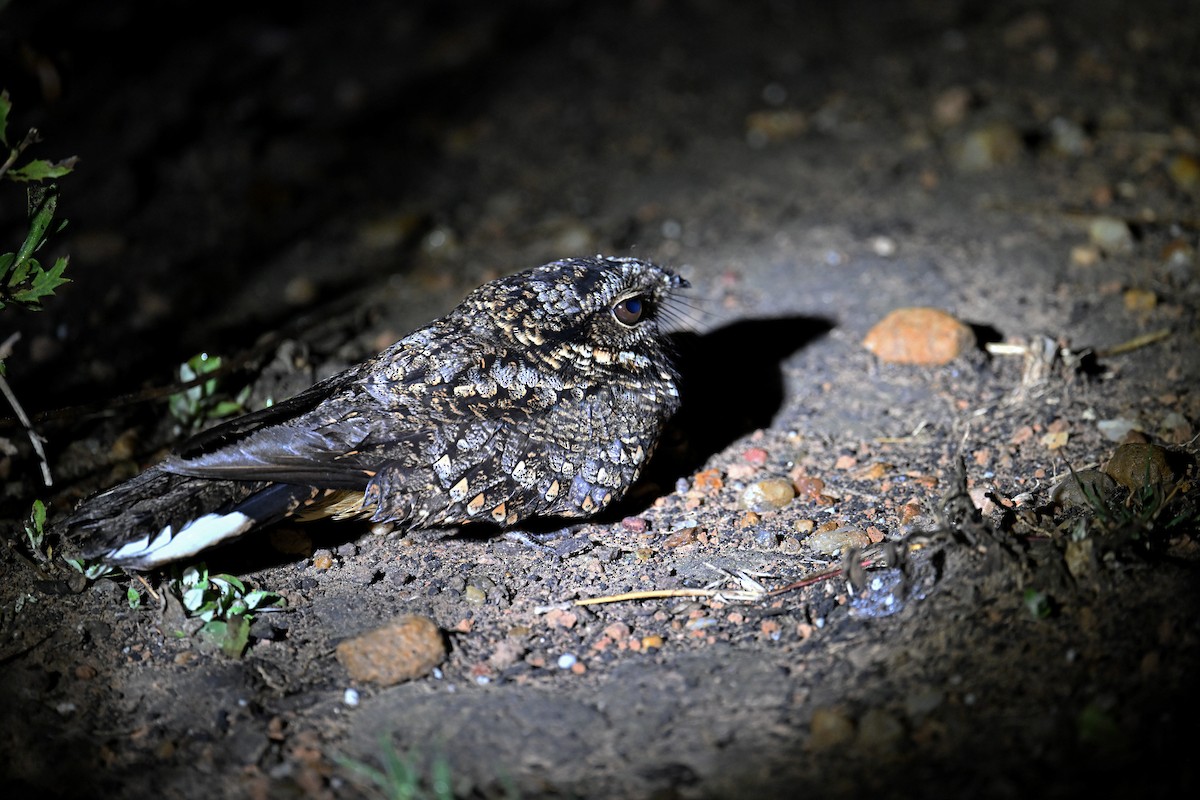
(295, 190)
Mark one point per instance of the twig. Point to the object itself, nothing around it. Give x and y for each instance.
(15, 153)
(34, 439)
(1136, 343)
(149, 588)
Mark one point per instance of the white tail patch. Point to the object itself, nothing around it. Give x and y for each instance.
(165, 546)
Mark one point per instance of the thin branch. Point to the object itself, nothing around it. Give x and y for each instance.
(34, 439)
(15, 153)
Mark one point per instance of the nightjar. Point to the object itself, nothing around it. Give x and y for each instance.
(542, 393)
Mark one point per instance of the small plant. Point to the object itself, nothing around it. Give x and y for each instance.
(203, 402)
(401, 777)
(223, 604)
(35, 532)
(23, 280)
(1040, 604)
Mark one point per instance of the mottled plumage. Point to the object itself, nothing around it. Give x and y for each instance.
(542, 393)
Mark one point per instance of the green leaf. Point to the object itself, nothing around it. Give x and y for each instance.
(193, 599)
(5, 107)
(40, 169)
(43, 212)
(38, 515)
(134, 597)
(43, 285)
(225, 408)
(232, 580)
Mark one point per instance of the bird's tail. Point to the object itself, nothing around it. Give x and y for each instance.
(160, 516)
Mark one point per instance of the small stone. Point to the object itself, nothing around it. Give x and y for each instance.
(1115, 430)
(768, 494)
(474, 595)
(837, 541)
(755, 456)
(951, 105)
(923, 336)
(300, 291)
(1185, 172)
(790, 546)
(634, 524)
(766, 539)
(322, 560)
(1111, 235)
(1140, 300)
(408, 647)
(830, 728)
(1136, 464)
(1068, 137)
(992, 145)
(774, 125)
(709, 481)
(1082, 489)
(1175, 428)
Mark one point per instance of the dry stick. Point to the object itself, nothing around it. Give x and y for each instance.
(34, 439)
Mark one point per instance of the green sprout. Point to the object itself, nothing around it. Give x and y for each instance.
(1040, 605)
(223, 604)
(401, 777)
(203, 402)
(35, 531)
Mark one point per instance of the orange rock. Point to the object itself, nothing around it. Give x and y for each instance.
(924, 336)
(406, 648)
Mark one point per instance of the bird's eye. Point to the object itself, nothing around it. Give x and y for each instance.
(630, 310)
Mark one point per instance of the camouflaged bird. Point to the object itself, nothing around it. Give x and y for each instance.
(543, 393)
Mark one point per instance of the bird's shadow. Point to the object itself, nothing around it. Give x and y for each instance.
(731, 385)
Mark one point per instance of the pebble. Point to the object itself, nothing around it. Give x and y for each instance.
(993, 145)
(1082, 489)
(790, 546)
(1117, 429)
(567, 660)
(1185, 172)
(350, 698)
(1111, 235)
(774, 125)
(951, 105)
(922, 336)
(766, 539)
(406, 648)
(1137, 464)
(830, 728)
(836, 541)
(1067, 137)
(474, 595)
(768, 494)
(1140, 300)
